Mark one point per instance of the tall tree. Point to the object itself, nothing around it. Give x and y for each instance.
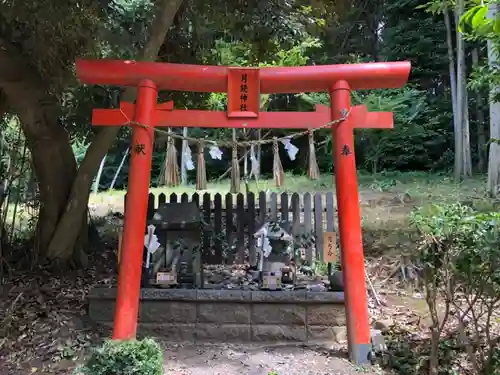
(35, 77)
(463, 158)
(38, 43)
(457, 81)
(409, 33)
(482, 21)
(481, 130)
(65, 237)
(494, 153)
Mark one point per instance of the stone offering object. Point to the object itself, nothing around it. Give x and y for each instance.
(178, 261)
(275, 253)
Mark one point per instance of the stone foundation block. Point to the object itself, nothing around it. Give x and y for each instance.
(223, 332)
(326, 334)
(224, 313)
(169, 332)
(326, 315)
(172, 312)
(178, 315)
(278, 333)
(286, 314)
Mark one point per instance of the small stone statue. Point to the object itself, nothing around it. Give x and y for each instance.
(275, 250)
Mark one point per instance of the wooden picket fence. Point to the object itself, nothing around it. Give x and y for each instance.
(231, 221)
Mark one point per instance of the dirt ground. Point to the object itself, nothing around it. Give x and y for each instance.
(258, 360)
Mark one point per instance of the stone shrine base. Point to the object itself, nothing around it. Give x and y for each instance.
(183, 315)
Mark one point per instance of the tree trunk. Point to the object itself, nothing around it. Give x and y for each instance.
(99, 174)
(66, 235)
(481, 131)
(55, 168)
(458, 110)
(453, 86)
(53, 158)
(466, 154)
(463, 160)
(112, 186)
(494, 151)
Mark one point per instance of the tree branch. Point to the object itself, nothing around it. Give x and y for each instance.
(164, 19)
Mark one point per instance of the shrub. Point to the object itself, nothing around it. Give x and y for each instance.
(460, 258)
(135, 357)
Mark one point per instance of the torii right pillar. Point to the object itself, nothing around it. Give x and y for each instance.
(349, 219)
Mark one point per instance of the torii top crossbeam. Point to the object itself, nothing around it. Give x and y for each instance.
(230, 80)
(201, 78)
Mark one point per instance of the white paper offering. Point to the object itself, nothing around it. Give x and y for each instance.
(263, 242)
(151, 243)
(215, 152)
(253, 162)
(290, 148)
(188, 157)
(266, 247)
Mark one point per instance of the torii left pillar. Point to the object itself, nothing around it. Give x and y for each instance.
(129, 276)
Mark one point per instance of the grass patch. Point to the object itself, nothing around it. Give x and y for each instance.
(419, 185)
(386, 199)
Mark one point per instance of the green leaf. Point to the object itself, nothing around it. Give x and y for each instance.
(480, 17)
(433, 7)
(496, 25)
(467, 17)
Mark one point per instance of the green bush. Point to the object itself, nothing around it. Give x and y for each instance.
(460, 262)
(135, 357)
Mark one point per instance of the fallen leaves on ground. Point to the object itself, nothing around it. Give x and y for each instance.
(43, 318)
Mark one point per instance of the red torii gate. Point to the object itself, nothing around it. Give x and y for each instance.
(244, 86)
